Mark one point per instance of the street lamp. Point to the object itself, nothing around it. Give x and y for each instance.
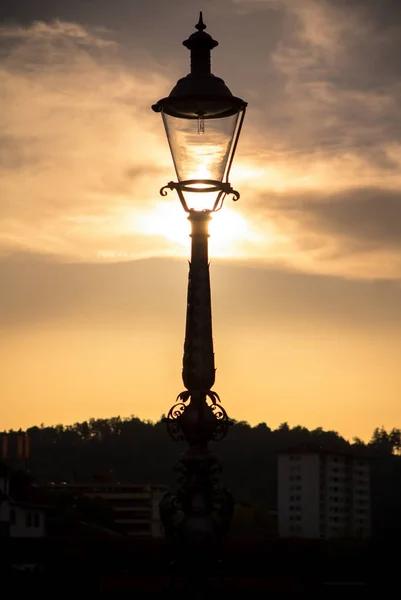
(203, 122)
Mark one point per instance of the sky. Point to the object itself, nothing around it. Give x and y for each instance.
(305, 268)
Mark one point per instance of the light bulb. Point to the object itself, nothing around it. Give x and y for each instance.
(201, 125)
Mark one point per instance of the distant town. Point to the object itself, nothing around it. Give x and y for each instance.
(100, 482)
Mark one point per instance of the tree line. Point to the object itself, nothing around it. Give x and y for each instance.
(140, 451)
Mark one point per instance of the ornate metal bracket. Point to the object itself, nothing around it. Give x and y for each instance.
(208, 185)
(197, 420)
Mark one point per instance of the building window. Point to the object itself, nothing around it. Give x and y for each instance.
(36, 520)
(13, 517)
(295, 529)
(29, 519)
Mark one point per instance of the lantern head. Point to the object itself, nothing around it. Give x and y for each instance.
(203, 121)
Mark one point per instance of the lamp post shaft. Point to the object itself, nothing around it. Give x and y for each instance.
(198, 371)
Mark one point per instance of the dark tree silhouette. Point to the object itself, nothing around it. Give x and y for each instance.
(386, 442)
(141, 452)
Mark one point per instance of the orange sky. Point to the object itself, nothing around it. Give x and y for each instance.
(305, 267)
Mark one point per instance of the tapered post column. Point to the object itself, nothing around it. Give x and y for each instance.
(199, 513)
(198, 370)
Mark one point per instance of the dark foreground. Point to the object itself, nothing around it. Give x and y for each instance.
(265, 568)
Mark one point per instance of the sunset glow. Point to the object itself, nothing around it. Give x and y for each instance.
(305, 267)
(228, 229)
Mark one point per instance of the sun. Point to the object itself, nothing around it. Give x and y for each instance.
(228, 229)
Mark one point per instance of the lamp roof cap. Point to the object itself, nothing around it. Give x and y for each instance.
(200, 39)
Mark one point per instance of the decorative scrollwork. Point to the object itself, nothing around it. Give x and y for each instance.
(199, 496)
(183, 396)
(223, 422)
(214, 430)
(214, 397)
(174, 414)
(172, 515)
(182, 471)
(176, 411)
(170, 186)
(223, 508)
(215, 472)
(236, 195)
(172, 422)
(207, 185)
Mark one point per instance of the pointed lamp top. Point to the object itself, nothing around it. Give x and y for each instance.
(200, 90)
(200, 26)
(200, 39)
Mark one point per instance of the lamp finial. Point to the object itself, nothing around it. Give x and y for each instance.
(200, 26)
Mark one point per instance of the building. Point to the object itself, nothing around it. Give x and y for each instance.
(135, 507)
(323, 494)
(19, 519)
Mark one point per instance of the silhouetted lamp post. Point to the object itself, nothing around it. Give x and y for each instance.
(203, 121)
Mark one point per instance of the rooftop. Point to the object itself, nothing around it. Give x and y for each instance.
(313, 448)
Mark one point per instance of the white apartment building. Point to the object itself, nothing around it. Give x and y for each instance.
(322, 494)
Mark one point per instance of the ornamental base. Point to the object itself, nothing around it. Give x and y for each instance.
(197, 517)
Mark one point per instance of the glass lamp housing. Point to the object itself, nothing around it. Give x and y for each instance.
(200, 147)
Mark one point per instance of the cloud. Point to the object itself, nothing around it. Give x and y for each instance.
(150, 293)
(369, 216)
(79, 141)
(328, 148)
(356, 233)
(82, 156)
(340, 90)
(40, 33)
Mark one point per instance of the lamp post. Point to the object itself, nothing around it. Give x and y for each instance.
(203, 122)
